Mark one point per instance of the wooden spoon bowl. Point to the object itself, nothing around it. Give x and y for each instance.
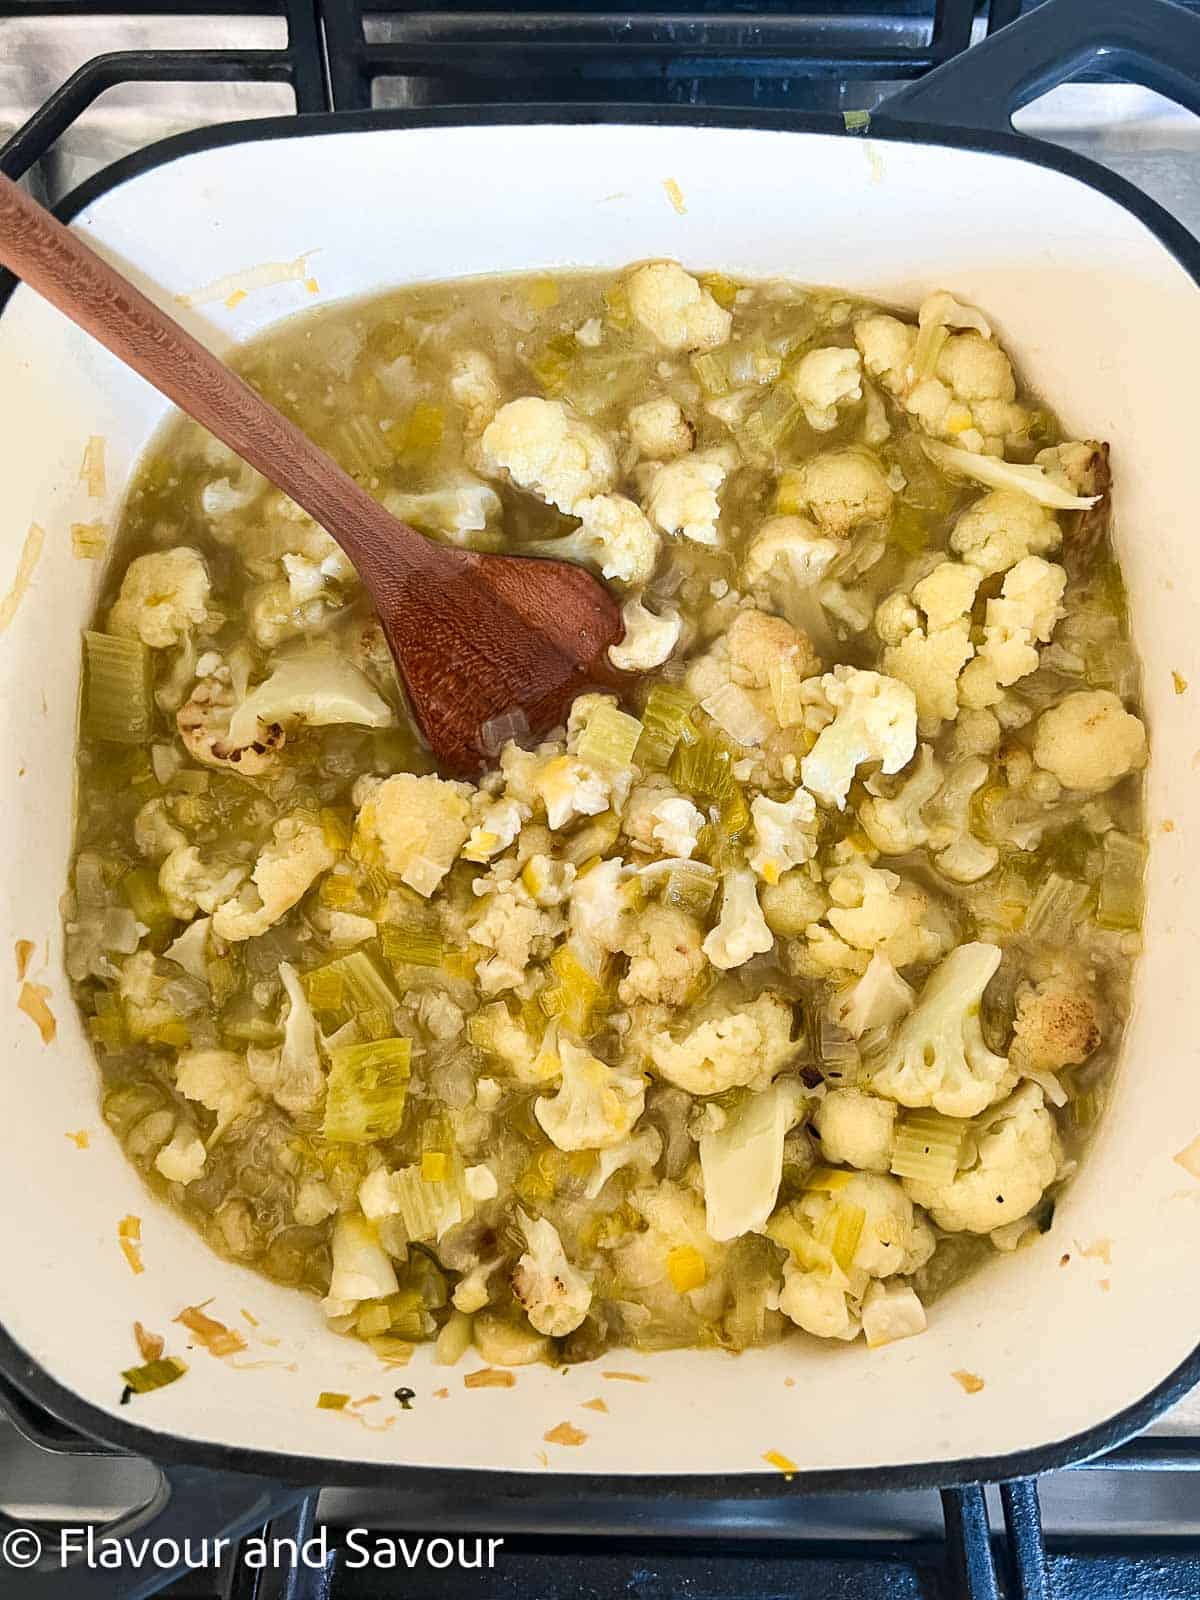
(475, 637)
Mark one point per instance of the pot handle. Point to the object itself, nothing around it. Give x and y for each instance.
(192, 1503)
(1152, 42)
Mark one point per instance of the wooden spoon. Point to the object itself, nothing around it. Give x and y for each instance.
(474, 636)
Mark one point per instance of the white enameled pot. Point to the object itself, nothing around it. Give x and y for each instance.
(1101, 317)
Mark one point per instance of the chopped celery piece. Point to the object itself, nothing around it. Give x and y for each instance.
(366, 1092)
(690, 887)
(785, 678)
(769, 424)
(553, 363)
(930, 343)
(1056, 910)
(609, 738)
(666, 718)
(574, 991)
(427, 1208)
(119, 695)
(154, 1375)
(838, 1055)
(712, 370)
(352, 989)
(453, 1341)
(734, 813)
(418, 947)
(141, 893)
(841, 1231)
(359, 446)
(1120, 898)
(704, 768)
(592, 839)
(827, 1180)
(928, 1146)
(909, 529)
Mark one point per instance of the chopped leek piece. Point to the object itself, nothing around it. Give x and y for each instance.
(609, 738)
(928, 1146)
(574, 991)
(118, 694)
(705, 768)
(841, 1231)
(686, 1268)
(155, 1374)
(665, 720)
(1120, 899)
(1056, 910)
(352, 989)
(785, 679)
(434, 1166)
(909, 529)
(418, 947)
(690, 887)
(141, 893)
(769, 424)
(367, 1088)
(327, 1400)
(453, 1341)
(930, 343)
(827, 1180)
(712, 370)
(427, 1209)
(723, 290)
(359, 446)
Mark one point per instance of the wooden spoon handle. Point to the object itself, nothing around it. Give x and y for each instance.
(63, 270)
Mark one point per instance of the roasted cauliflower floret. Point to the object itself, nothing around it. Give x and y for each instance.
(1024, 616)
(785, 834)
(190, 884)
(515, 929)
(938, 1057)
(1017, 1158)
(856, 1129)
(894, 824)
(475, 387)
(659, 430)
(545, 448)
(555, 1295)
(793, 544)
(154, 833)
(823, 380)
(842, 489)
(741, 931)
(743, 1047)
(163, 598)
(1089, 741)
(613, 535)
(663, 945)
(670, 304)
(284, 872)
(758, 643)
(204, 726)
(875, 719)
(682, 497)
(649, 637)
(1057, 1024)
(1002, 528)
(886, 345)
(869, 911)
(928, 639)
(596, 1105)
(415, 827)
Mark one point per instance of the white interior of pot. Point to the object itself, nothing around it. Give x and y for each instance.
(1098, 316)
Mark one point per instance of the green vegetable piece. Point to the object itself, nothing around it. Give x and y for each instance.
(118, 689)
(367, 1088)
(155, 1374)
(666, 719)
(1120, 899)
(928, 1146)
(609, 738)
(408, 946)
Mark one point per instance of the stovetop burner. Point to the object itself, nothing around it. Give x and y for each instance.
(83, 84)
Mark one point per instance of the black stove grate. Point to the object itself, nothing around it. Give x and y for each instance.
(816, 55)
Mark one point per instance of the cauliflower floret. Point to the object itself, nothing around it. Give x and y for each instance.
(219, 1081)
(665, 957)
(785, 834)
(891, 1311)
(190, 884)
(670, 304)
(316, 686)
(164, 596)
(793, 541)
(461, 509)
(1024, 616)
(417, 826)
(556, 1295)
(869, 913)
(292, 1074)
(1089, 741)
(757, 643)
(203, 723)
(879, 998)
(970, 395)
(929, 656)
(742, 1160)
(793, 903)
(886, 345)
(856, 1129)
(741, 1048)
(875, 720)
(182, 1160)
(274, 613)
(496, 823)
(361, 1267)
(640, 1152)
(613, 534)
(741, 931)
(648, 639)
(565, 786)
(659, 430)
(938, 1057)
(682, 497)
(515, 929)
(843, 488)
(142, 1001)
(494, 1028)
(677, 826)
(823, 380)
(596, 1105)
(282, 875)
(473, 1291)
(154, 833)
(599, 911)
(474, 385)
(1057, 1024)
(1018, 1155)
(818, 1304)
(893, 1238)
(1002, 528)
(895, 826)
(546, 448)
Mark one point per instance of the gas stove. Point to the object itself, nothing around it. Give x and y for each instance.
(82, 86)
